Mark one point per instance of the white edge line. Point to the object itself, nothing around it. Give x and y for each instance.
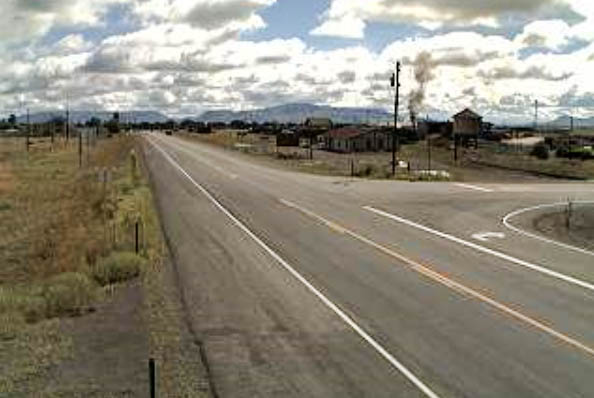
(534, 267)
(474, 187)
(350, 322)
(507, 223)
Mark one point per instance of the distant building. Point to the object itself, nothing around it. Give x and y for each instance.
(467, 123)
(429, 127)
(318, 123)
(354, 139)
(467, 127)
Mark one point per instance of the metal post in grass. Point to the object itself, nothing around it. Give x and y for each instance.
(136, 237)
(152, 372)
(79, 148)
(28, 130)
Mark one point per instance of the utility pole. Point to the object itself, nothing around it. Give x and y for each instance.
(67, 121)
(429, 154)
(395, 82)
(88, 137)
(28, 130)
(79, 147)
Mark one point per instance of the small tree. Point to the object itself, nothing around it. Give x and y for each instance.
(540, 151)
(113, 127)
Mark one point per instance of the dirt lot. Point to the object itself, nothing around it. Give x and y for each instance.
(472, 166)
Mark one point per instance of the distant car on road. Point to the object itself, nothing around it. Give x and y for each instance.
(168, 132)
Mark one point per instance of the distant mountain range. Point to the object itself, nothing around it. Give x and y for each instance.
(290, 113)
(298, 113)
(83, 116)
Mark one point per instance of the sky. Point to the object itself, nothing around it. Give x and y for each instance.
(184, 57)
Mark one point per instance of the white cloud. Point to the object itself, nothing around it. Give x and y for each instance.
(428, 13)
(552, 34)
(206, 14)
(71, 44)
(23, 20)
(186, 55)
(349, 26)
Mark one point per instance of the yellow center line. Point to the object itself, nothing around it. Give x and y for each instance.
(446, 281)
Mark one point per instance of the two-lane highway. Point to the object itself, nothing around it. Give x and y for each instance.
(303, 285)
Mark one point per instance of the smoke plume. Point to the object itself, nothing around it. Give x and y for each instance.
(423, 69)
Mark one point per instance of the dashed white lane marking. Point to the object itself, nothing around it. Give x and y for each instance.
(341, 314)
(212, 166)
(447, 281)
(475, 187)
(485, 236)
(495, 253)
(507, 223)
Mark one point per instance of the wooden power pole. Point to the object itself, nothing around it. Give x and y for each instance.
(395, 82)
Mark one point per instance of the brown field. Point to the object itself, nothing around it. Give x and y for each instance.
(487, 164)
(66, 250)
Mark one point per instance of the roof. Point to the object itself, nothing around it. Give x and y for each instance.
(467, 113)
(345, 132)
(318, 122)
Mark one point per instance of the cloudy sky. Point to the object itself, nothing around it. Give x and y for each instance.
(183, 57)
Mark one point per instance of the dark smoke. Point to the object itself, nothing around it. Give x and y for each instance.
(423, 69)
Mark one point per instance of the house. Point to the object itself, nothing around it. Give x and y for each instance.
(467, 123)
(287, 138)
(467, 126)
(354, 139)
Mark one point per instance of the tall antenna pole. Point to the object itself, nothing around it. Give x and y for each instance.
(395, 82)
(67, 119)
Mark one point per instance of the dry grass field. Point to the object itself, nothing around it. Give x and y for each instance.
(67, 249)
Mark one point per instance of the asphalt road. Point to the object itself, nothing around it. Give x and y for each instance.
(301, 285)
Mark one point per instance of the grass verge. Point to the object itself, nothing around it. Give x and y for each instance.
(65, 232)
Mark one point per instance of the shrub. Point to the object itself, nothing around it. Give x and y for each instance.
(11, 324)
(118, 267)
(540, 151)
(366, 171)
(562, 152)
(5, 206)
(70, 293)
(28, 303)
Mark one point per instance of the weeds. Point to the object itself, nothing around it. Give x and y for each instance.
(70, 293)
(56, 244)
(118, 267)
(65, 294)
